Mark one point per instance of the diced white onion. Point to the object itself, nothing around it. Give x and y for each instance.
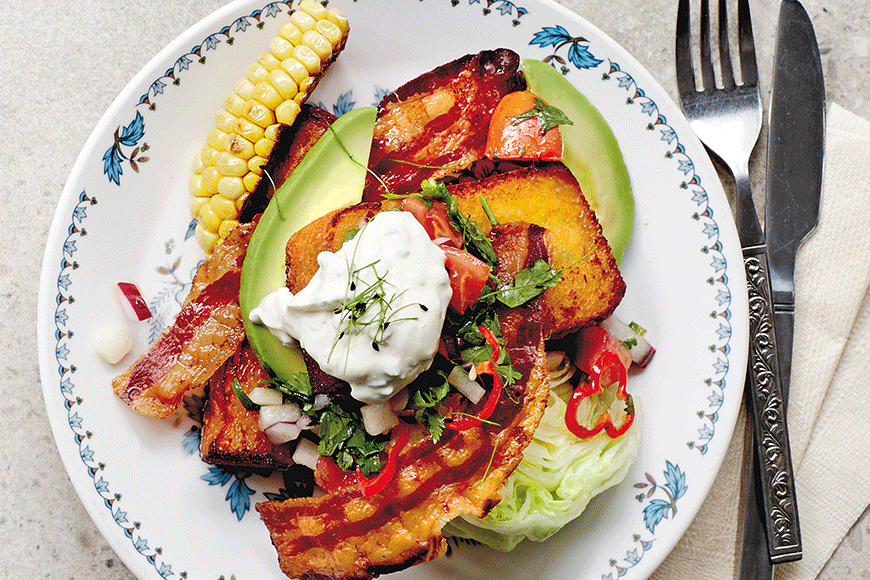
(281, 433)
(112, 343)
(642, 352)
(561, 368)
(461, 381)
(320, 401)
(263, 396)
(378, 418)
(306, 454)
(272, 414)
(304, 422)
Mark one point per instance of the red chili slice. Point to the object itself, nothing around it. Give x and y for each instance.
(487, 367)
(370, 487)
(606, 364)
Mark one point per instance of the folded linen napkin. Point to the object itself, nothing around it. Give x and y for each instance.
(829, 420)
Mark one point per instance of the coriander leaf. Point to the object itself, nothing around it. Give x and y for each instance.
(429, 394)
(433, 421)
(547, 115)
(528, 284)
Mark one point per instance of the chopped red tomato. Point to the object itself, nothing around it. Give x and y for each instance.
(435, 220)
(468, 276)
(330, 476)
(516, 131)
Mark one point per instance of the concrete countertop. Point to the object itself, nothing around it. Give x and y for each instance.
(63, 64)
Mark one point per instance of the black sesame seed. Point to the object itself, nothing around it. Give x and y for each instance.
(375, 346)
(424, 308)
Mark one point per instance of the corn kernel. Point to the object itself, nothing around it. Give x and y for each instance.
(258, 114)
(248, 130)
(239, 146)
(282, 83)
(295, 69)
(330, 32)
(216, 138)
(271, 132)
(224, 121)
(195, 204)
(287, 112)
(280, 48)
(226, 227)
(251, 181)
(207, 240)
(302, 20)
(195, 186)
(264, 147)
(313, 9)
(230, 187)
(231, 165)
(234, 103)
(207, 155)
(240, 202)
(223, 208)
(210, 177)
(265, 94)
(318, 43)
(196, 164)
(290, 33)
(256, 164)
(308, 58)
(256, 73)
(208, 219)
(337, 18)
(244, 88)
(268, 60)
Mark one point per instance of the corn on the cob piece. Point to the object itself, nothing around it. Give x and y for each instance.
(229, 165)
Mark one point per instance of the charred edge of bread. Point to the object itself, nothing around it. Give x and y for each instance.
(294, 141)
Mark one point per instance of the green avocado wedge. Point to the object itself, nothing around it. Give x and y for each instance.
(327, 179)
(591, 153)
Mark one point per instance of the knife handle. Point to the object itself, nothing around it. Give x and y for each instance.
(768, 407)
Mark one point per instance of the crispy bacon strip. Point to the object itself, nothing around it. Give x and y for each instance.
(206, 332)
(348, 536)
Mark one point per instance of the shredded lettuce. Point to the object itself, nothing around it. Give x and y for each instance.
(557, 477)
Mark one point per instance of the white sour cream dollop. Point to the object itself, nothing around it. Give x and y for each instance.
(393, 269)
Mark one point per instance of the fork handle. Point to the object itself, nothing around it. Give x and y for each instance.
(768, 407)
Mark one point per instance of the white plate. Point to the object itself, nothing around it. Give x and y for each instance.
(124, 217)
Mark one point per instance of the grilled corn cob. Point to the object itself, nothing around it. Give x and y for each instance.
(229, 165)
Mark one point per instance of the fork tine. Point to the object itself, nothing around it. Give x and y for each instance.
(683, 52)
(707, 74)
(724, 48)
(748, 66)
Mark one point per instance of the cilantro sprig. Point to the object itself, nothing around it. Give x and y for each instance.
(547, 115)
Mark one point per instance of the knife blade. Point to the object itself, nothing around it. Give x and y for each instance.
(795, 152)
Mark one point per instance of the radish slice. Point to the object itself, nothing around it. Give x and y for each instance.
(465, 385)
(112, 343)
(132, 302)
(641, 350)
(272, 414)
(306, 454)
(281, 433)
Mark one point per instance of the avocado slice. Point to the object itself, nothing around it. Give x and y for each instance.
(325, 180)
(591, 153)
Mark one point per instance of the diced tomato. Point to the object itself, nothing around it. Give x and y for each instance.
(509, 139)
(331, 477)
(468, 276)
(592, 341)
(434, 219)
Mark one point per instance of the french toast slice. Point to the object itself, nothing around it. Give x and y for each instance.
(548, 195)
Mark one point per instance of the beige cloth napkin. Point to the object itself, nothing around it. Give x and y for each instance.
(829, 416)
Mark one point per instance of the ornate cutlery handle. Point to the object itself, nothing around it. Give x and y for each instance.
(769, 415)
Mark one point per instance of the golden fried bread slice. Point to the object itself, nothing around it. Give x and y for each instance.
(548, 195)
(231, 434)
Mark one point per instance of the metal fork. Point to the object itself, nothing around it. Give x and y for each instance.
(727, 119)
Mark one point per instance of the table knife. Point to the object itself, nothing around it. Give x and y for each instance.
(794, 168)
